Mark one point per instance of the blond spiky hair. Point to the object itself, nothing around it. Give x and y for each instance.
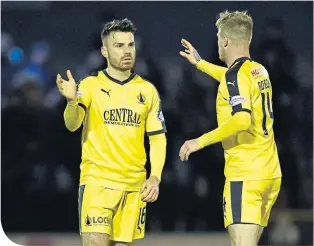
(237, 25)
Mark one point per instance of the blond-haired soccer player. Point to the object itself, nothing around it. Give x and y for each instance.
(245, 128)
(116, 107)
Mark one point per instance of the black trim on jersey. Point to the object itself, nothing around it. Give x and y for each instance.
(118, 81)
(80, 202)
(232, 81)
(264, 115)
(82, 106)
(163, 122)
(93, 74)
(156, 132)
(241, 59)
(241, 110)
(236, 200)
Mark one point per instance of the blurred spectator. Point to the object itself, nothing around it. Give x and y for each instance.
(93, 62)
(40, 55)
(12, 59)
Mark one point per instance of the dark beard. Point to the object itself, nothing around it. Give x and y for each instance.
(120, 68)
(117, 67)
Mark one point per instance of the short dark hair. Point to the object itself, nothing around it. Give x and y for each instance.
(123, 25)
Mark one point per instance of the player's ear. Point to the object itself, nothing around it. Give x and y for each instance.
(104, 51)
(225, 42)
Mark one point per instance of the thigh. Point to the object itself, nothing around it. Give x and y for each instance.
(243, 234)
(260, 232)
(95, 239)
(269, 199)
(97, 205)
(242, 202)
(129, 219)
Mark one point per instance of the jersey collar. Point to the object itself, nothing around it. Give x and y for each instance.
(241, 59)
(119, 81)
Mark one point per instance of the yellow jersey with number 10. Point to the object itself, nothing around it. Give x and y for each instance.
(251, 154)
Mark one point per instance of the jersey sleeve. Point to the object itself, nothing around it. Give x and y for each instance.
(212, 70)
(83, 93)
(155, 122)
(239, 89)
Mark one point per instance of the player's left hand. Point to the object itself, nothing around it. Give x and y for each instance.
(189, 147)
(150, 189)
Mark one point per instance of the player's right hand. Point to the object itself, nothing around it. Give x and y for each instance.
(150, 189)
(67, 87)
(190, 53)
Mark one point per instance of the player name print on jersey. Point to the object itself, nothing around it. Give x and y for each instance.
(265, 84)
(122, 116)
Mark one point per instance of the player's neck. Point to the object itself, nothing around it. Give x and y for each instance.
(233, 56)
(118, 74)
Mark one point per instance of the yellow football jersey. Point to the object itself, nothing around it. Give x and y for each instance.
(117, 115)
(251, 154)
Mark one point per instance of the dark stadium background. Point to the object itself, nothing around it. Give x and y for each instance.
(40, 158)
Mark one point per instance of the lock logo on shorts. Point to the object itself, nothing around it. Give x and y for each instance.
(98, 221)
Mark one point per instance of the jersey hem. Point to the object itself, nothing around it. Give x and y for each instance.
(252, 178)
(114, 186)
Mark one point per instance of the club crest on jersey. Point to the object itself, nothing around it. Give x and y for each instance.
(141, 98)
(236, 100)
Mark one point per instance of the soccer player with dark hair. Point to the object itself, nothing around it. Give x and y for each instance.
(245, 128)
(116, 107)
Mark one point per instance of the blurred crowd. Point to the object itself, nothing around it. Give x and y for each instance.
(40, 158)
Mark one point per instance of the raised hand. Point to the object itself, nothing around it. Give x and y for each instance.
(67, 87)
(190, 53)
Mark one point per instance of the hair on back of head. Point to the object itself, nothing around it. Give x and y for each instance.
(237, 25)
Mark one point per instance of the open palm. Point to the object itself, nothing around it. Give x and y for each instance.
(190, 53)
(67, 87)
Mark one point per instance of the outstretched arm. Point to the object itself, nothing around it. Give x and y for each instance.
(239, 122)
(240, 102)
(191, 54)
(214, 71)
